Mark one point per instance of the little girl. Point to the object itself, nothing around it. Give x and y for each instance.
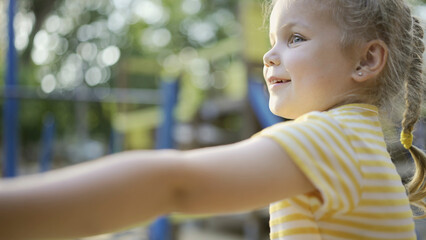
(333, 64)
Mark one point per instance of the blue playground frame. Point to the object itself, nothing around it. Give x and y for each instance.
(10, 110)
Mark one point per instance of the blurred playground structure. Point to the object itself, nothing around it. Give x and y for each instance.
(85, 78)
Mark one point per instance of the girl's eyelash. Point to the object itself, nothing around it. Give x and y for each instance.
(293, 37)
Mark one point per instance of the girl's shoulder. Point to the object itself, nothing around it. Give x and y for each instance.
(337, 121)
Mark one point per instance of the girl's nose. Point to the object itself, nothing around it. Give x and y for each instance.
(271, 59)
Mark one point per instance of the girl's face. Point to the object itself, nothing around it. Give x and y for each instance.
(306, 69)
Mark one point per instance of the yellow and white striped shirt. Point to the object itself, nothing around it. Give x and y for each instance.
(359, 192)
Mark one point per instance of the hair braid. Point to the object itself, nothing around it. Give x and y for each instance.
(414, 83)
(414, 87)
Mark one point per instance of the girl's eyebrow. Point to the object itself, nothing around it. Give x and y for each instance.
(292, 24)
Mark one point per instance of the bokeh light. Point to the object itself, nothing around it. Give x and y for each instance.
(202, 31)
(149, 11)
(23, 26)
(109, 56)
(53, 23)
(191, 6)
(117, 21)
(93, 76)
(71, 75)
(87, 51)
(48, 83)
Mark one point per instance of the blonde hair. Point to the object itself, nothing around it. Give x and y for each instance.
(392, 22)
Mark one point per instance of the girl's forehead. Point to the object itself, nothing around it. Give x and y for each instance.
(287, 11)
(281, 5)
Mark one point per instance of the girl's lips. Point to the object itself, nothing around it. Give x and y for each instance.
(275, 80)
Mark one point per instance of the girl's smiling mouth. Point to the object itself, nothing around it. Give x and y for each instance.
(275, 81)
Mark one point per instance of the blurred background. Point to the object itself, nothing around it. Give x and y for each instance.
(86, 78)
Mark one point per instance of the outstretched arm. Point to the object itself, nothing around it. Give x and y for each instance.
(124, 189)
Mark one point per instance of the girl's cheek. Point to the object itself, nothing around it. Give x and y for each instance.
(293, 62)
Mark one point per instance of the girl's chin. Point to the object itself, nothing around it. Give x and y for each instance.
(282, 112)
(285, 111)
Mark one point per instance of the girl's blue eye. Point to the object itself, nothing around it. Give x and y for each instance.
(296, 39)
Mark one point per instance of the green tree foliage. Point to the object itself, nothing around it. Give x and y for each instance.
(69, 45)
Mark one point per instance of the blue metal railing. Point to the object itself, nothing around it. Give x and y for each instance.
(259, 103)
(161, 229)
(48, 136)
(10, 108)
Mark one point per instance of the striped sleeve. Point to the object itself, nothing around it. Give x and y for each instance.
(318, 145)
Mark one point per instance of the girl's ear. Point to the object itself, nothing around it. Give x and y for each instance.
(373, 59)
